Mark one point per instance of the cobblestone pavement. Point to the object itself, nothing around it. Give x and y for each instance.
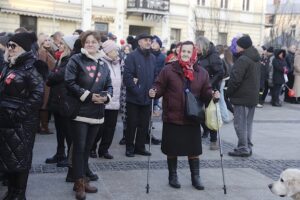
(276, 147)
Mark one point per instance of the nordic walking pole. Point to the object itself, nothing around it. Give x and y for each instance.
(150, 136)
(221, 150)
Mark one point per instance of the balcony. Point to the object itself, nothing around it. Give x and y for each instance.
(140, 7)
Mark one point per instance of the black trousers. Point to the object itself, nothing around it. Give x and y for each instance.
(213, 134)
(276, 93)
(84, 135)
(138, 118)
(62, 126)
(106, 131)
(266, 91)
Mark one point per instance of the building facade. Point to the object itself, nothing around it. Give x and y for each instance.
(172, 20)
(282, 23)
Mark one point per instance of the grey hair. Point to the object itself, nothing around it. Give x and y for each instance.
(202, 43)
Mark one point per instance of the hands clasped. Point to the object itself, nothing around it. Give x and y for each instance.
(97, 99)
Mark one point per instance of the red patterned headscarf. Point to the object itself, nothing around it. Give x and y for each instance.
(187, 66)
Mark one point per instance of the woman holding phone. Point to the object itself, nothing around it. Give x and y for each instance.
(86, 76)
(109, 54)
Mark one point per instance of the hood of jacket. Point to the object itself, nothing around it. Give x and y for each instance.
(252, 53)
(279, 51)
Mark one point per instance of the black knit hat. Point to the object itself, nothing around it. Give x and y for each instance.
(245, 42)
(270, 50)
(157, 39)
(24, 40)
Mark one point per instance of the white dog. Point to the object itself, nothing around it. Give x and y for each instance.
(288, 184)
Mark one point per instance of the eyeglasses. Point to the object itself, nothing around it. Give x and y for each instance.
(11, 45)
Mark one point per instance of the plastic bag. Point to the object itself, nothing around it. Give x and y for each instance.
(213, 119)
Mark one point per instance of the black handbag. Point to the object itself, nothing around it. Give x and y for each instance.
(71, 105)
(193, 106)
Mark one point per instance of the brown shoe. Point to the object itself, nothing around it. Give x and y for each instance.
(79, 188)
(89, 188)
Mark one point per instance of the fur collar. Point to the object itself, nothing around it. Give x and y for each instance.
(94, 58)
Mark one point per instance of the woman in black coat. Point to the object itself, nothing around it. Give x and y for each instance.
(279, 69)
(88, 81)
(21, 95)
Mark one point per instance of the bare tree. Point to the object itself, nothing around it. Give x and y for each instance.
(284, 19)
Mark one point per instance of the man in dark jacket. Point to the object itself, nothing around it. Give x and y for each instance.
(138, 78)
(210, 60)
(290, 65)
(160, 63)
(243, 89)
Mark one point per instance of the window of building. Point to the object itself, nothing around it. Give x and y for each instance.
(201, 2)
(175, 35)
(28, 22)
(101, 27)
(224, 3)
(199, 33)
(246, 5)
(222, 38)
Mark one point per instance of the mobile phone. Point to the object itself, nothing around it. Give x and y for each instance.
(103, 93)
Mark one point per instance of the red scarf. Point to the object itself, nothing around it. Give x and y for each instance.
(187, 66)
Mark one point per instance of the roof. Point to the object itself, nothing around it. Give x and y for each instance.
(39, 14)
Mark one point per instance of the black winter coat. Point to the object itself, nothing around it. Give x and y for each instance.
(278, 67)
(142, 67)
(160, 62)
(290, 57)
(213, 65)
(79, 74)
(56, 81)
(21, 95)
(244, 82)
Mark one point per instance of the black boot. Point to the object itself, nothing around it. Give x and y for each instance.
(20, 184)
(173, 179)
(70, 176)
(91, 175)
(194, 167)
(10, 191)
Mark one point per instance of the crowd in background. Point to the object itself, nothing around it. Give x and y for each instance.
(99, 77)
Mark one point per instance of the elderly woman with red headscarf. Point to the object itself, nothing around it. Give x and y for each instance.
(181, 136)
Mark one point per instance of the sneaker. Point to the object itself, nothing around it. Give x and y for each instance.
(239, 154)
(259, 106)
(213, 146)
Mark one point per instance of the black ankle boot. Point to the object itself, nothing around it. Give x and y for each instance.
(19, 185)
(18, 195)
(173, 179)
(70, 176)
(194, 167)
(91, 175)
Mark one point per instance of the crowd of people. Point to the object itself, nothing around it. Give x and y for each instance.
(86, 79)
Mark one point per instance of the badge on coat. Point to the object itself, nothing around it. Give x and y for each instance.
(9, 78)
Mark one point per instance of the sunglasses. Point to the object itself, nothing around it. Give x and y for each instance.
(11, 45)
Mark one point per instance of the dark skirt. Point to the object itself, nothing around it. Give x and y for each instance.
(181, 140)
